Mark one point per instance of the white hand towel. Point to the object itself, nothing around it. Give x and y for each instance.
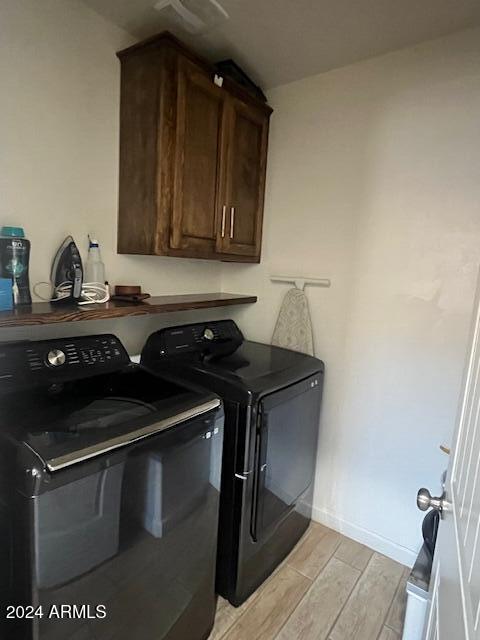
(294, 326)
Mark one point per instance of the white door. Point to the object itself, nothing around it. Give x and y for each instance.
(455, 586)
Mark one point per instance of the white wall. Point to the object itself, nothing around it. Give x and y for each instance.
(374, 182)
(59, 112)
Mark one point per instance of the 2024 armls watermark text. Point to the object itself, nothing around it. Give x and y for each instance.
(57, 612)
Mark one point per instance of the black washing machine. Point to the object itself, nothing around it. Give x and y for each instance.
(272, 402)
(109, 496)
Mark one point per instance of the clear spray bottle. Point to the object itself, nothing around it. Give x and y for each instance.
(95, 269)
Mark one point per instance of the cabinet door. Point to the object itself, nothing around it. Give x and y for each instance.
(200, 112)
(244, 180)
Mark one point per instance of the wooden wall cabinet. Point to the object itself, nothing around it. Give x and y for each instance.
(192, 157)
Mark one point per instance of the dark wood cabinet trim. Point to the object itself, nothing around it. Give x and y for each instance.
(167, 37)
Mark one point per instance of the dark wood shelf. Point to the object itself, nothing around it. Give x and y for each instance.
(41, 313)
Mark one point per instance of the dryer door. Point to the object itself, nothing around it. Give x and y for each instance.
(286, 451)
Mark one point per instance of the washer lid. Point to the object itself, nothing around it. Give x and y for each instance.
(71, 423)
(129, 437)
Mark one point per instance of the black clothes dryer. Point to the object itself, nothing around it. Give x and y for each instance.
(272, 402)
(109, 495)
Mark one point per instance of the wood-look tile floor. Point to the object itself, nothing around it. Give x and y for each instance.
(328, 588)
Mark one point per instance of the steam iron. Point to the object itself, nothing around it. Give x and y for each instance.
(67, 272)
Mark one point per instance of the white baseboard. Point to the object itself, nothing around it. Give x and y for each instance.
(364, 536)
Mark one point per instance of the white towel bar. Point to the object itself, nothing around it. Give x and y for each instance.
(302, 281)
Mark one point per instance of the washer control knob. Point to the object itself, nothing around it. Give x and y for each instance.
(208, 334)
(56, 357)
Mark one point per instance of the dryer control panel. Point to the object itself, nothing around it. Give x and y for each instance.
(213, 339)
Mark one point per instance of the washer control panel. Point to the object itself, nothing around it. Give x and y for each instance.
(59, 360)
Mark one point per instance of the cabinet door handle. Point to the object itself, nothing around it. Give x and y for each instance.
(224, 213)
(232, 221)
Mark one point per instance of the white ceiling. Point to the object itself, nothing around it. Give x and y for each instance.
(278, 41)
